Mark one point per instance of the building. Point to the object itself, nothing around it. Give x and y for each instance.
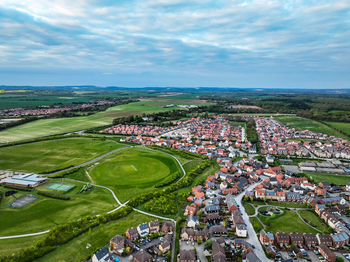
(326, 253)
(324, 239)
(168, 227)
(282, 239)
(266, 238)
(241, 230)
(251, 257)
(187, 256)
(26, 180)
(143, 229)
(142, 256)
(153, 226)
(218, 231)
(218, 252)
(101, 256)
(310, 240)
(192, 221)
(132, 234)
(296, 239)
(340, 239)
(117, 244)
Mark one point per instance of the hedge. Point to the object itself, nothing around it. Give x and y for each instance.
(53, 195)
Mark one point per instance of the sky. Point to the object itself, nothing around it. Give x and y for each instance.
(184, 43)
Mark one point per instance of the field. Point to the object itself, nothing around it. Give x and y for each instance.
(46, 156)
(345, 127)
(288, 222)
(331, 178)
(314, 220)
(46, 212)
(76, 250)
(300, 123)
(133, 171)
(10, 246)
(46, 127)
(249, 209)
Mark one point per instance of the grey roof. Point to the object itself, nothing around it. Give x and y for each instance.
(102, 253)
(143, 226)
(339, 237)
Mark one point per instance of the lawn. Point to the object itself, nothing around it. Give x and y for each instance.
(133, 171)
(313, 219)
(256, 224)
(286, 204)
(288, 222)
(249, 209)
(331, 178)
(46, 212)
(46, 127)
(301, 123)
(76, 250)
(13, 245)
(192, 164)
(345, 127)
(47, 156)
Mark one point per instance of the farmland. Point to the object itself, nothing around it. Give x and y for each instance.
(46, 127)
(46, 212)
(133, 171)
(345, 127)
(331, 178)
(300, 123)
(47, 156)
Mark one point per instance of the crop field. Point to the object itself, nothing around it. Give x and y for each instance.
(345, 127)
(46, 212)
(300, 123)
(46, 127)
(331, 178)
(288, 222)
(46, 156)
(133, 171)
(75, 250)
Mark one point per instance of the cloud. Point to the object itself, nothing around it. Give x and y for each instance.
(230, 41)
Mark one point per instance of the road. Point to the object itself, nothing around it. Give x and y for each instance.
(252, 237)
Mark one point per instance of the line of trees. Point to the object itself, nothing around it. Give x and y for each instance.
(53, 195)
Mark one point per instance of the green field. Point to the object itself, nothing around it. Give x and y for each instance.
(344, 127)
(301, 123)
(46, 212)
(288, 222)
(331, 178)
(46, 127)
(315, 220)
(76, 250)
(46, 156)
(133, 171)
(249, 209)
(13, 245)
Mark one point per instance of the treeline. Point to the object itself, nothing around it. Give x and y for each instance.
(170, 179)
(62, 234)
(53, 195)
(186, 181)
(252, 136)
(164, 205)
(182, 153)
(19, 122)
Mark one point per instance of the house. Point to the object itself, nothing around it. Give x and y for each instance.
(266, 238)
(251, 257)
(231, 203)
(310, 240)
(168, 227)
(190, 210)
(212, 209)
(218, 231)
(117, 244)
(192, 221)
(153, 226)
(165, 245)
(218, 252)
(241, 230)
(142, 256)
(340, 239)
(132, 234)
(296, 239)
(324, 239)
(101, 256)
(326, 253)
(143, 229)
(187, 256)
(213, 218)
(282, 239)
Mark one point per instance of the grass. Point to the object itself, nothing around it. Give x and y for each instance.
(46, 127)
(331, 178)
(249, 209)
(192, 164)
(301, 123)
(46, 212)
(256, 224)
(76, 250)
(133, 171)
(288, 222)
(286, 204)
(47, 156)
(13, 245)
(345, 127)
(314, 220)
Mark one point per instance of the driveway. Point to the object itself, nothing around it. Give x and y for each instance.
(199, 248)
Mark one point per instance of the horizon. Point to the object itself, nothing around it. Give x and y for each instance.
(134, 44)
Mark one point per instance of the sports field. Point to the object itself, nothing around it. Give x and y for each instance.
(133, 171)
(45, 212)
(60, 187)
(301, 123)
(46, 156)
(46, 127)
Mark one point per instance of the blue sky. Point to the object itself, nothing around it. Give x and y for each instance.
(253, 43)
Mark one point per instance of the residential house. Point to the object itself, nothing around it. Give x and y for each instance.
(187, 256)
(324, 239)
(117, 244)
(168, 227)
(218, 231)
(296, 239)
(165, 245)
(251, 257)
(266, 238)
(213, 218)
(142, 256)
(310, 240)
(218, 252)
(340, 239)
(241, 230)
(326, 253)
(282, 239)
(132, 234)
(101, 255)
(192, 221)
(153, 226)
(143, 229)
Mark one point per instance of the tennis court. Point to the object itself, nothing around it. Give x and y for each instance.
(23, 201)
(60, 187)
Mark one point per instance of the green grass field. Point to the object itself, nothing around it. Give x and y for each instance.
(288, 222)
(300, 123)
(46, 212)
(76, 250)
(46, 156)
(11, 246)
(314, 220)
(331, 178)
(133, 171)
(46, 127)
(345, 127)
(249, 209)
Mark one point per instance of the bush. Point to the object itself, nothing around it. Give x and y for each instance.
(53, 195)
(163, 204)
(171, 179)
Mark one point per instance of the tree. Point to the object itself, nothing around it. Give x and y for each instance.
(339, 259)
(199, 240)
